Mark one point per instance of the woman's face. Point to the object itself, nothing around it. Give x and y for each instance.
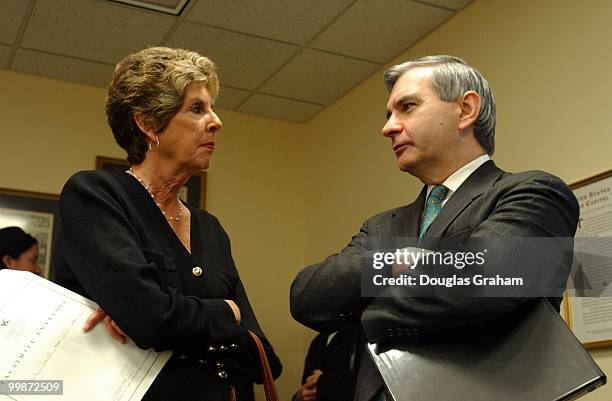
(189, 137)
(27, 261)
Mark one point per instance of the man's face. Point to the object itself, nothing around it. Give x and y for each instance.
(423, 128)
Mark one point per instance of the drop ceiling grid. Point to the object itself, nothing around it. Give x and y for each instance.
(318, 77)
(63, 68)
(284, 59)
(11, 16)
(94, 30)
(378, 30)
(293, 21)
(229, 98)
(5, 51)
(455, 5)
(279, 108)
(245, 61)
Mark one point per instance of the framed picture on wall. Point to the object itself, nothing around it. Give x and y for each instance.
(588, 300)
(193, 192)
(36, 213)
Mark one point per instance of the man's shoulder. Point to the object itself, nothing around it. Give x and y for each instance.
(533, 177)
(535, 186)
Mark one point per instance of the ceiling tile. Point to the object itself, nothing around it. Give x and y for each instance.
(318, 77)
(452, 4)
(99, 31)
(378, 30)
(244, 61)
(279, 108)
(4, 55)
(230, 98)
(11, 18)
(295, 21)
(63, 68)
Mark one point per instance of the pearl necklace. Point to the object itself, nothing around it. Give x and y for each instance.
(169, 218)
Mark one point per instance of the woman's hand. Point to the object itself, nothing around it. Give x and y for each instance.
(235, 309)
(111, 327)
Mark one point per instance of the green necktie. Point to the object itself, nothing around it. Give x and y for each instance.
(433, 206)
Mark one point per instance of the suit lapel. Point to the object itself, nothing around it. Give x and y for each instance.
(475, 185)
(405, 221)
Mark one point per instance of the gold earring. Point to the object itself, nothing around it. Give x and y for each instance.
(156, 144)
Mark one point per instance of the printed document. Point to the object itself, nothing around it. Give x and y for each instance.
(41, 338)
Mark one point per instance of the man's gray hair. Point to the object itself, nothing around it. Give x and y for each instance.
(452, 77)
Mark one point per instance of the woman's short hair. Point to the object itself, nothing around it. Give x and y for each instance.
(452, 77)
(152, 83)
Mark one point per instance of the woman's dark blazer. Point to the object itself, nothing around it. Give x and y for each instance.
(116, 247)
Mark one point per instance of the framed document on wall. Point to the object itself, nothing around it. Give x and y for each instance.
(193, 192)
(588, 301)
(36, 214)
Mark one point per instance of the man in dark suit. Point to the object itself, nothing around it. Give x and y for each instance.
(441, 123)
(332, 362)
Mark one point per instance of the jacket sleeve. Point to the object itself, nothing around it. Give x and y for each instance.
(325, 295)
(102, 248)
(540, 206)
(248, 363)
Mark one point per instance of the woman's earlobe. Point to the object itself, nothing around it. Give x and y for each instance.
(144, 129)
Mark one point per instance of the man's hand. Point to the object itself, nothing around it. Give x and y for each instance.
(235, 309)
(412, 258)
(111, 327)
(308, 392)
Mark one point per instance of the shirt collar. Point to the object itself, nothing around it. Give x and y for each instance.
(454, 181)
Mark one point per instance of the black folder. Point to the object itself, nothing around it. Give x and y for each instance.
(529, 355)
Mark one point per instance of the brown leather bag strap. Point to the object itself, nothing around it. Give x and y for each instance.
(266, 372)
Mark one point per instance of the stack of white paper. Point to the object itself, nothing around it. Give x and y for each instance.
(41, 338)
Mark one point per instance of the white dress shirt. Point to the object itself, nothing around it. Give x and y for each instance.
(454, 181)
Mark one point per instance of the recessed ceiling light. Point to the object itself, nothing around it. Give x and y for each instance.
(172, 7)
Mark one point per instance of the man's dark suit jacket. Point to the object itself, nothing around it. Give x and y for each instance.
(339, 360)
(491, 203)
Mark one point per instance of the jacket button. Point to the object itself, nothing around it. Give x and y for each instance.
(197, 271)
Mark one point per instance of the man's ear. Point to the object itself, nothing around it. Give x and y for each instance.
(151, 135)
(470, 109)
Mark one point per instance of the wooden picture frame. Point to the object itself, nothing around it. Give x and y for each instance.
(193, 192)
(586, 311)
(37, 214)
